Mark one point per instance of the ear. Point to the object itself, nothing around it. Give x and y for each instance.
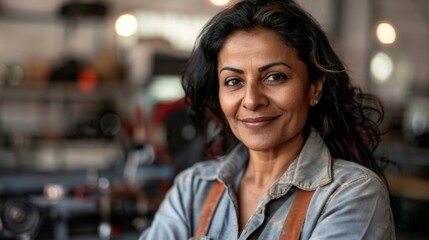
(316, 89)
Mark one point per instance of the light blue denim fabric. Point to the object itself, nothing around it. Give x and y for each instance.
(350, 202)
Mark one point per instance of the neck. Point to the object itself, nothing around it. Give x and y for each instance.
(266, 167)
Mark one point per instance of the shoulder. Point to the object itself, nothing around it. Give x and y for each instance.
(201, 171)
(355, 205)
(348, 172)
(354, 189)
(350, 180)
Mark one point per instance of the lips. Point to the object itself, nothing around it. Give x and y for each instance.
(258, 122)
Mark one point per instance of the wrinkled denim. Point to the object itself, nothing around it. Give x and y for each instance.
(350, 201)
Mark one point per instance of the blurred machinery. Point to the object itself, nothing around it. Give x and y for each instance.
(117, 199)
(90, 143)
(101, 209)
(91, 164)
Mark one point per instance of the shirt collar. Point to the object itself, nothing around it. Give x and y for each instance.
(227, 167)
(310, 170)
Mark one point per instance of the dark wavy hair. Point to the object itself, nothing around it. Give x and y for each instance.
(347, 119)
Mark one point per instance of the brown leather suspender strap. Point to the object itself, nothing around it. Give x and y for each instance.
(209, 207)
(293, 224)
(295, 219)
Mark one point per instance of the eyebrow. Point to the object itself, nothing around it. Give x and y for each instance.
(261, 69)
(265, 67)
(231, 69)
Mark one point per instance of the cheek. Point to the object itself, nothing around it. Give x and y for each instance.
(299, 95)
(289, 98)
(230, 106)
(229, 109)
(225, 104)
(292, 101)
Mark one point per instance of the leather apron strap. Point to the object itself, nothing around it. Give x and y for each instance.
(209, 208)
(295, 219)
(292, 226)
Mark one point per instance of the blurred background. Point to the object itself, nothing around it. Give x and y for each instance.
(93, 126)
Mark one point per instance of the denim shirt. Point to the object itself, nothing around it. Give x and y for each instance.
(350, 201)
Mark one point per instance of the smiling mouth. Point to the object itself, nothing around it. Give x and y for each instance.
(259, 122)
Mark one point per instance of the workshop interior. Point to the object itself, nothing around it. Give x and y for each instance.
(94, 125)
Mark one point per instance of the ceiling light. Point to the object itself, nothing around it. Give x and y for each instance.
(220, 2)
(386, 33)
(126, 25)
(381, 67)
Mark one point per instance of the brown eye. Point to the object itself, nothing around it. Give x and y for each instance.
(276, 77)
(232, 82)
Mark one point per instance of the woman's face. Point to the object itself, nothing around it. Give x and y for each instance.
(264, 90)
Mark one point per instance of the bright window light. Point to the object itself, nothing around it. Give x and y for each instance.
(126, 25)
(179, 29)
(166, 88)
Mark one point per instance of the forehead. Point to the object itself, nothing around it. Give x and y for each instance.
(253, 34)
(257, 44)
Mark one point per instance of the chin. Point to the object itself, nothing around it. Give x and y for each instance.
(258, 146)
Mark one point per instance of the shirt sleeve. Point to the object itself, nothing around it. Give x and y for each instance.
(359, 209)
(172, 218)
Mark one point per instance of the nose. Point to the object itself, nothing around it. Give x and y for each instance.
(254, 97)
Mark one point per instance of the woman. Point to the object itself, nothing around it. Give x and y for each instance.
(296, 142)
